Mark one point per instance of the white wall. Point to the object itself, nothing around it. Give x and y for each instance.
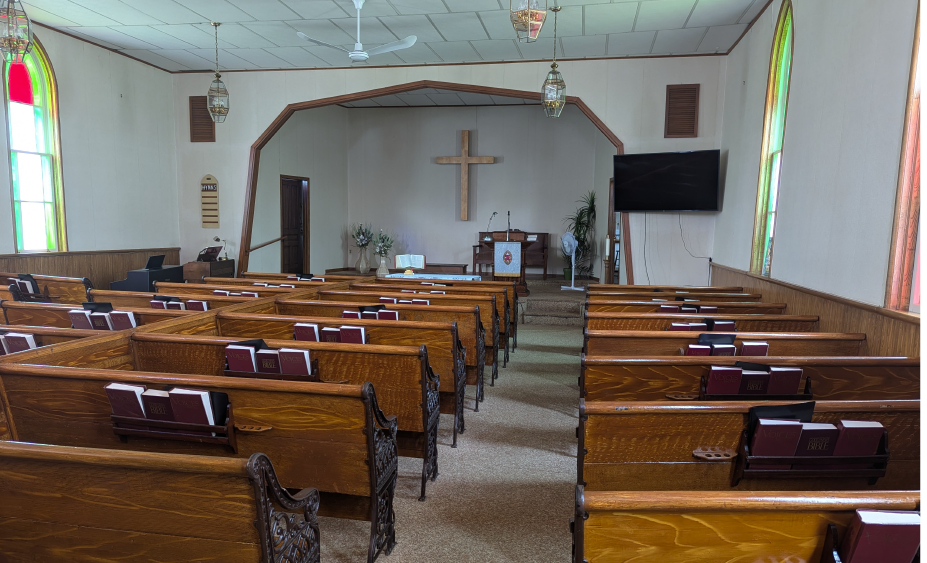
(117, 150)
(842, 144)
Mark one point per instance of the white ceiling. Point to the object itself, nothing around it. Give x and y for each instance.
(425, 97)
(175, 35)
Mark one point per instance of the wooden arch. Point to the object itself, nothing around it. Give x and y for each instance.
(254, 159)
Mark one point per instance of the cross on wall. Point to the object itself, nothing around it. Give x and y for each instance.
(465, 160)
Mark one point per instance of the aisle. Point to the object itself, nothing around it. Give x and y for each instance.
(505, 494)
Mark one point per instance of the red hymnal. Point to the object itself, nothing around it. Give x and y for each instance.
(176, 305)
(877, 536)
(371, 315)
(754, 349)
(233, 294)
(158, 406)
(248, 294)
(421, 302)
(194, 305)
(267, 361)
(680, 327)
(294, 362)
(698, 327)
(723, 326)
(317, 279)
(775, 438)
(406, 291)
(668, 309)
(723, 349)
(220, 292)
(857, 437)
(101, 321)
(285, 285)
(17, 342)
(723, 380)
(80, 318)
(122, 320)
(390, 300)
(709, 309)
(689, 310)
(240, 358)
(350, 315)
(754, 382)
(155, 304)
(698, 350)
(353, 335)
(331, 334)
(191, 406)
(126, 400)
(441, 292)
(784, 380)
(405, 301)
(385, 315)
(308, 332)
(817, 439)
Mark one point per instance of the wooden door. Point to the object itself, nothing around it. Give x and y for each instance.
(294, 225)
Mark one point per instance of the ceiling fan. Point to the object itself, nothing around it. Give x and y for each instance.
(359, 55)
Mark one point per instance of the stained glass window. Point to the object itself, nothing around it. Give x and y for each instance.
(34, 156)
(777, 97)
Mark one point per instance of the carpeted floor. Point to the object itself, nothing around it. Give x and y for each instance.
(505, 494)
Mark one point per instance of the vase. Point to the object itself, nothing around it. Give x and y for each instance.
(383, 270)
(362, 266)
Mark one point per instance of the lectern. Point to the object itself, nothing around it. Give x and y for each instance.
(509, 262)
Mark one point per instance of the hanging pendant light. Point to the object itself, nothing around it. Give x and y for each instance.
(527, 18)
(217, 99)
(553, 93)
(15, 31)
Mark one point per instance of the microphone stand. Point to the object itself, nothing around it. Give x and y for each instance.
(488, 236)
(509, 213)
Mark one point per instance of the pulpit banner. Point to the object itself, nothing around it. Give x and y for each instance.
(507, 259)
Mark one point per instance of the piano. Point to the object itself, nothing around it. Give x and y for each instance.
(144, 278)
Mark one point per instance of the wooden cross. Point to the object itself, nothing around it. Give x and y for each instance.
(465, 160)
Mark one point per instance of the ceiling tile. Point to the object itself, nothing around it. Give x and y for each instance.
(217, 10)
(114, 37)
(507, 101)
(118, 11)
(390, 101)
(455, 51)
(260, 58)
(385, 59)
(418, 54)
(578, 47)
(226, 58)
(717, 12)
(569, 22)
(323, 30)
(94, 40)
(497, 50)
(540, 50)
(459, 26)
(678, 40)
(365, 103)
(238, 35)
(188, 59)
(446, 99)
(71, 11)
(610, 18)
(329, 55)
(632, 43)
(372, 31)
(317, 9)
(265, 10)
(155, 59)
(193, 35)
(420, 26)
(720, 38)
(663, 14)
(419, 6)
(498, 24)
(167, 11)
(154, 37)
(475, 99)
(416, 99)
(583, 2)
(753, 11)
(474, 5)
(278, 33)
(37, 14)
(297, 56)
(372, 8)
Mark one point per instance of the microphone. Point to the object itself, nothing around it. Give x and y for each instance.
(488, 236)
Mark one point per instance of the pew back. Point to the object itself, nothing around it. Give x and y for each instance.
(170, 288)
(607, 287)
(663, 321)
(56, 314)
(60, 289)
(670, 343)
(669, 297)
(142, 300)
(724, 307)
(46, 335)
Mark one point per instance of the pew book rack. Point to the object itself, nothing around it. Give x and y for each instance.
(20, 295)
(179, 431)
(806, 395)
(313, 377)
(807, 465)
(829, 553)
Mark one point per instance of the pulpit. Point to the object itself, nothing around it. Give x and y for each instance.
(509, 261)
(535, 255)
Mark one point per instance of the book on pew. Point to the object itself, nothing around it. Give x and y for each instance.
(307, 332)
(439, 292)
(176, 305)
(407, 291)
(405, 302)
(101, 321)
(668, 309)
(723, 350)
(122, 320)
(371, 315)
(317, 279)
(723, 380)
(196, 305)
(193, 407)
(291, 286)
(421, 302)
(857, 437)
(754, 382)
(386, 315)
(784, 380)
(390, 300)
(659, 299)
(240, 358)
(80, 318)
(683, 327)
(158, 304)
(353, 335)
(698, 327)
(24, 285)
(126, 400)
(817, 439)
(248, 294)
(754, 349)
(331, 334)
(3, 351)
(775, 438)
(881, 536)
(233, 294)
(698, 350)
(294, 362)
(723, 326)
(158, 406)
(688, 310)
(262, 284)
(350, 315)
(220, 292)
(297, 278)
(17, 342)
(268, 361)
(709, 309)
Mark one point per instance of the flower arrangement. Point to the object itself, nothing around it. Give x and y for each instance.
(382, 244)
(362, 234)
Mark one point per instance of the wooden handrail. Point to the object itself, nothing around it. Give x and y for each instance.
(268, 243)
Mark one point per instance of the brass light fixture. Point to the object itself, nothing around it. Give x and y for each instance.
(15, 31)
(527, 18)
(553, 93)
(217, 99)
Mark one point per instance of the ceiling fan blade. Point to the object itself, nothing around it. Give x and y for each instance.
(322, 43)
(394, 46)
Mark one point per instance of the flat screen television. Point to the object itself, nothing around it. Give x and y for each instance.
(668, 181)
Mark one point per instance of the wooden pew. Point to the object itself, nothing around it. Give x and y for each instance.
(46, 335)
(56, 314)
(670, 297)
(487, 306)
(70, 504)
(446, 354)
(663, 321)
(332, 436)
(646, 343)
(277, 276)
(699, 527)
(142, 300)
(613, 287)
(724, 307)
(249, 282)
(832, 378)
(469, 327)
(170, 288)
(648, 445)
(59, 289)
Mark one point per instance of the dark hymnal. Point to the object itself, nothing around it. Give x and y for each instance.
(775, 438)
(126, 400)
(80, 318)
(723, 349)
(877, 536)
(294, 362)
(421, 302)
(668, 309)
(350, 315)
(721, 326)
(707, 309)
(390, 300)
(248, 294)
(307, 332)
(155, 304)
(754, 382)
(857, 438)
(698, 350)
(331, 334)
(192, 406)
(18, 342)
(370, 315)
(680, 327)
(688, 310)
(176, 305)
(122, 320)
(268, 361)
(388, 315)
(158, 405)
(240, 358)
(353, 335)
(196, 305)
(817, 439)
(220, 292)
(754, 349)
(784, 380)
(723, 380)
(101, 321)
(698, 327)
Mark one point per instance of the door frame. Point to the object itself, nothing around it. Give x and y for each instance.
(304, 200)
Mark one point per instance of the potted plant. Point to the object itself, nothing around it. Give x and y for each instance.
(362, 235)
(382, 244)
(582, 224)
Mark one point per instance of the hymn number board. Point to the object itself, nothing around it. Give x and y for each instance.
(209, 201)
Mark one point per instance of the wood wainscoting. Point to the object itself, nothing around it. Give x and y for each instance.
(888, 333)
(101, 266)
